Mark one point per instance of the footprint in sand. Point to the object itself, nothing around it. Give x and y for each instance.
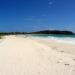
(74, 59)
(39, 73)
(62, 51)
(66, 64)
(54, 48)
(58, 62)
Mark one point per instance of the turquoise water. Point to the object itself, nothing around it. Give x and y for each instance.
(53, 35)
(60, 38)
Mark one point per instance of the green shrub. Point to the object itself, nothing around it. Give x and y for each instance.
(0, 37)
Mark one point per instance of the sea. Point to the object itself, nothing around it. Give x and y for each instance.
(70, 39)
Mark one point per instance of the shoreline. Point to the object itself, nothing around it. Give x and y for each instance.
(31, 56)
(57, 45)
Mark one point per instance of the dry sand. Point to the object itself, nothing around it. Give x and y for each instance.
(30, 56)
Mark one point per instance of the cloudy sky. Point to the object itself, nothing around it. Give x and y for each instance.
(32, 15)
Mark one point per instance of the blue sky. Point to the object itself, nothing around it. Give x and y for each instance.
(33, 15)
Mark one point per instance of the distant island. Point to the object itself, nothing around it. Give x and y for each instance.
(40, 32)
(53, 32)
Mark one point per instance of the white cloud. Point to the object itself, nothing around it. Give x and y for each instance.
(51, 3)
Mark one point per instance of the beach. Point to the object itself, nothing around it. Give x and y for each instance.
(36, 56)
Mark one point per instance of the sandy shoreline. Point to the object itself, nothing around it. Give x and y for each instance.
(30, 56)
(56, 45)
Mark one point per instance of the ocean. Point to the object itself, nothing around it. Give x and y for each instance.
(70, 39)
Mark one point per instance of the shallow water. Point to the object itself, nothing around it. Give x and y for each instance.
(53, 35)
(60, 38)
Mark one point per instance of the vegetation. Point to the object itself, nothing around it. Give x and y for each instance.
(0, 37)
(53, 32)
(38, 32)
(11, 33)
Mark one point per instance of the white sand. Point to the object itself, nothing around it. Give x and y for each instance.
(29, 56)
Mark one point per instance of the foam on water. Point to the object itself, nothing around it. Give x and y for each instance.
(69, 40)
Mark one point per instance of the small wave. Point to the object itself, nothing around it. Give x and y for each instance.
(69, 40)
(63, 39)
